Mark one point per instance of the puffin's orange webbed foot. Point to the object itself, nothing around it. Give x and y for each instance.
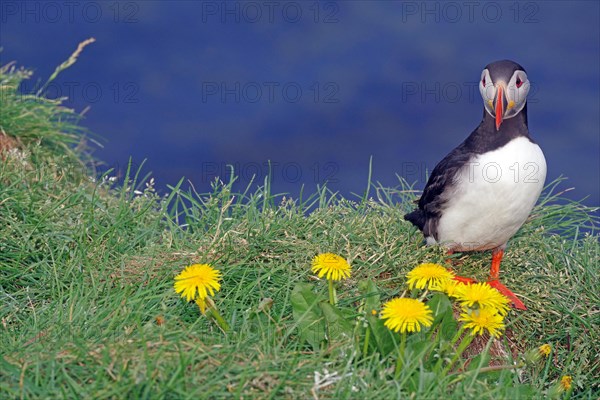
(462, 279)
(518, 304)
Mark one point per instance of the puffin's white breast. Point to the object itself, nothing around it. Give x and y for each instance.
(493, 196)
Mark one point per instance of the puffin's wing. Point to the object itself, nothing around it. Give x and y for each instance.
(441, 180)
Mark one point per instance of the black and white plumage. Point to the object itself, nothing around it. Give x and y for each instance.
(481, 193)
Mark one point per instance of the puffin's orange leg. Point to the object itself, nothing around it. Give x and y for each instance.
(461, 279)
(494, 280)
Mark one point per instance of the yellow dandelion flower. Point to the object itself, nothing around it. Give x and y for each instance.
(545, 349)
(431, 276)
(450, 286)
(564, 385)
(482, 295)
(406, 315)
(536, 354)
(482, 319)
(566, 382)
(197, 281)
(333, 266)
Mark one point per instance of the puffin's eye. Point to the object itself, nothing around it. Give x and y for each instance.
(483, 81)
(519, 82)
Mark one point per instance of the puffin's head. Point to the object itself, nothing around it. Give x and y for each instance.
(504, 87)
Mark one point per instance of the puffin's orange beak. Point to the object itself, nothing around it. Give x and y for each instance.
(499, 107)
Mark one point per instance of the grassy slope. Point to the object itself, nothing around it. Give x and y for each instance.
(86, 268)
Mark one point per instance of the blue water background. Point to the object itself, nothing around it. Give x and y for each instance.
(317, 88)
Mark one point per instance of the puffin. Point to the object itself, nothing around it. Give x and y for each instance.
(482, 192)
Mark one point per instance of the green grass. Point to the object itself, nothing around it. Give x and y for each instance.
(87, 267)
